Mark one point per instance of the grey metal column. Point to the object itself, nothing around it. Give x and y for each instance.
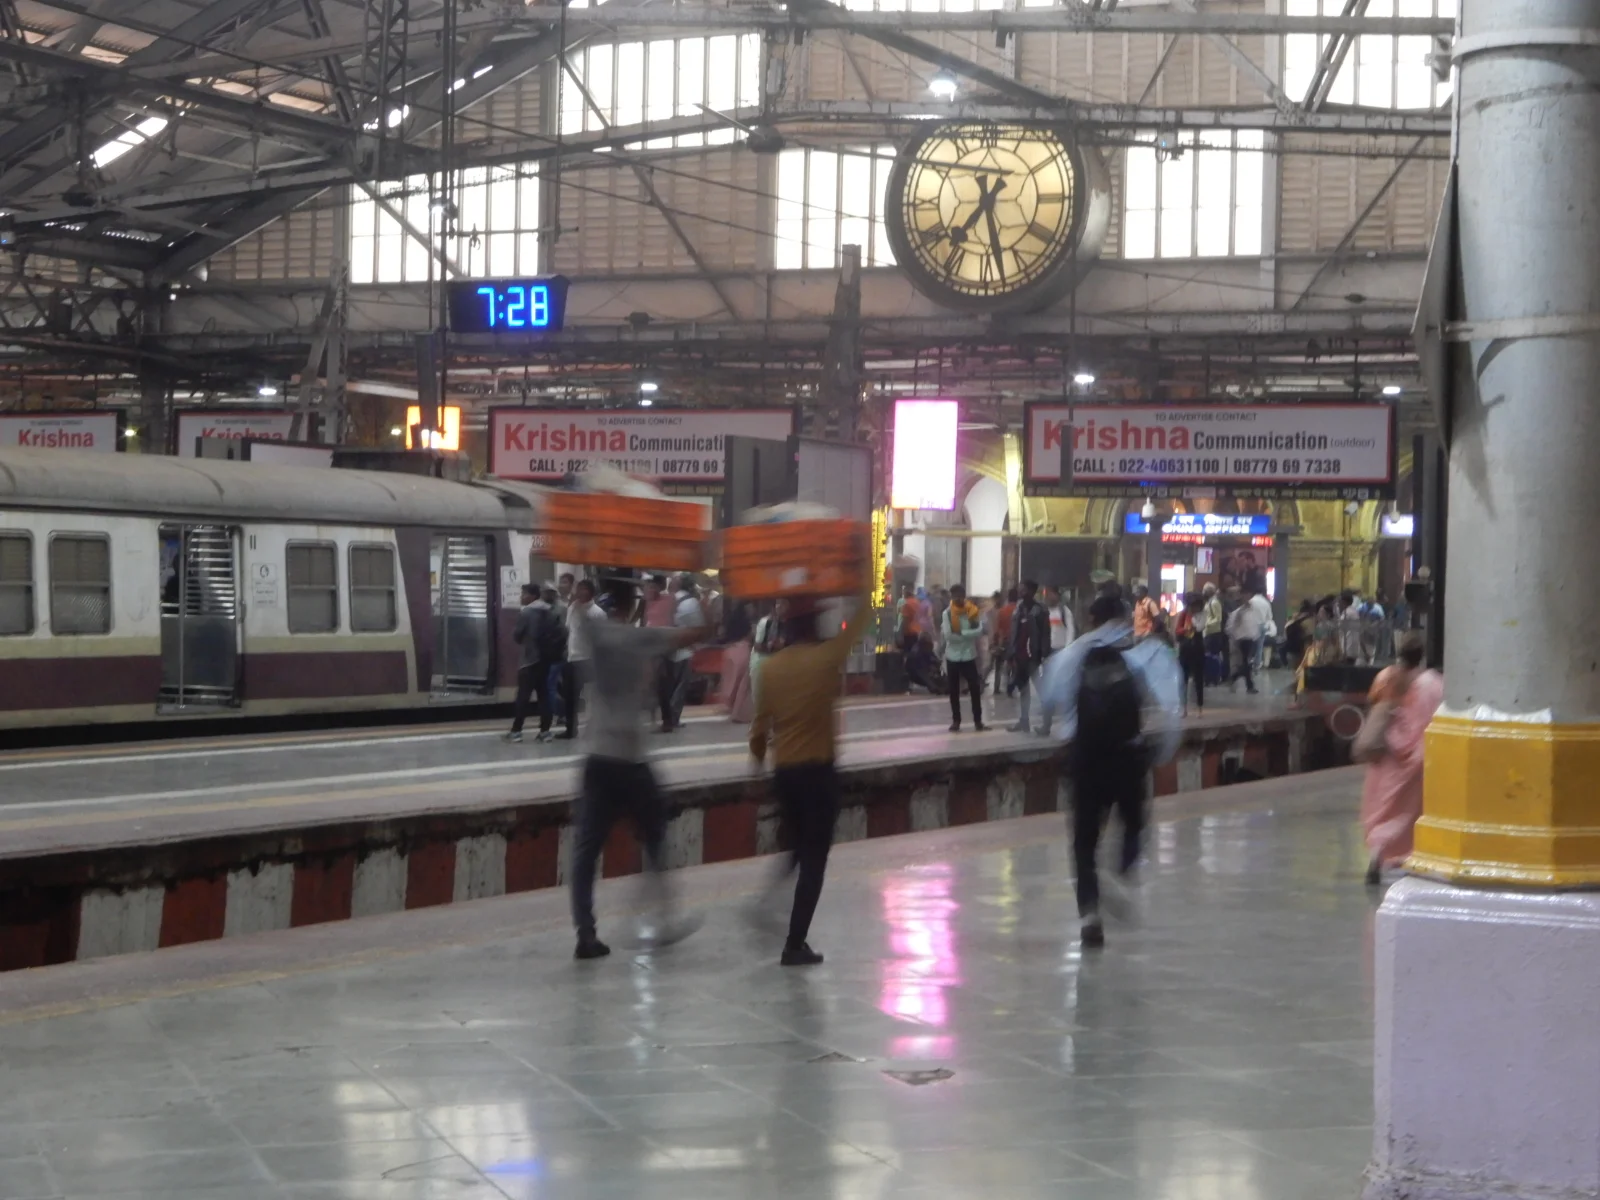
(1284, 604)
(1524, 479)
(1153, 553)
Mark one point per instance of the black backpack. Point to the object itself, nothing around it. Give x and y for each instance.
(551, 637)
(1110, 705)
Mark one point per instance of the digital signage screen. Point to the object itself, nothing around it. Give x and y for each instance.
(924, 454)
(508, 306)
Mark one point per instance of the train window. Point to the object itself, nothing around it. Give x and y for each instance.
(372, 593)
(313, 587)
(80, 583)
(16, 583)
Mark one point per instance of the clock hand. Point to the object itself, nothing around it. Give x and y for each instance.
(977, 211)
(994, 244)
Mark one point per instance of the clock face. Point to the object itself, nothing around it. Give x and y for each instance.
(985, 215)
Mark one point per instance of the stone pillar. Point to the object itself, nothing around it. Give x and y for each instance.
(1488, 957)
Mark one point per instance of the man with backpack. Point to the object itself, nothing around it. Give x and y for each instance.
(543, 639)
(1099, 689)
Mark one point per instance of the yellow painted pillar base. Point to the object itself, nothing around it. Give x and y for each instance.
(1511, 802)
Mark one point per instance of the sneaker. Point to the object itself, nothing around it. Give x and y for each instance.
(1020, 727)
(800, 956)
(1117, 894)
(510, 737)
(546, 736)
(590, 946)
(955, 726)
(1093, 934)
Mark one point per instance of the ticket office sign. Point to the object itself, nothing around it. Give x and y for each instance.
(1331, 451)
(682, 447)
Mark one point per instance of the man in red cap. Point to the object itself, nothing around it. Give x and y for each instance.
(795, 713)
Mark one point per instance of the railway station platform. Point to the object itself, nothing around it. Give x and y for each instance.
(116, 849)
(956, 1043)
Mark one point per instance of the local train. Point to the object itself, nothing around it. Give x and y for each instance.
(136, 588)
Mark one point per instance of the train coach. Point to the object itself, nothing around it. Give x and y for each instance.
(136, 589)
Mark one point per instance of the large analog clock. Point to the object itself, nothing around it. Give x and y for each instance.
(987, 216)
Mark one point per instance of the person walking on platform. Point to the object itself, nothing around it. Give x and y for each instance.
(1030, 646)
(575, 670)
(1247, 626)
(795, 716)
(1192, 651)
(961, 631)
(1404, 698)
(617, 778)
(537, 631)
(1099, 688)
(687, 613)
(1002, 644)
(1213, 628)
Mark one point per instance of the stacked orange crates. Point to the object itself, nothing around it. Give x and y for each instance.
(795, 558)
(603, 529)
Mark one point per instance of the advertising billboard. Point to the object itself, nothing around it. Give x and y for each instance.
(196, 423)
(1332, 451)
(672, 446)
(99, 432)
(924, 454)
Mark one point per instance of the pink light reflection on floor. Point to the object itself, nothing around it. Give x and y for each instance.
(923, 960)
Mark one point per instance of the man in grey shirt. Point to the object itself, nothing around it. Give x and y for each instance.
(617, 777)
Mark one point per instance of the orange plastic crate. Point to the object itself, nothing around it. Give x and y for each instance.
(600, 529)
(795, 558)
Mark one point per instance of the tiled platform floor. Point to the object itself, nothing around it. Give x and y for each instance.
(1221, 1051)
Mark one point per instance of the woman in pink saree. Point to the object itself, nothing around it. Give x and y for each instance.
(1391, 800)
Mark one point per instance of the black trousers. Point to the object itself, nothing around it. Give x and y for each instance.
(1192, 658)
(959, 672)
(1102, 783)
(571, 690)
(612, 787)
(808, 805)
(533, 683)
(1247, 664)
(1000, 660)
(672, 682)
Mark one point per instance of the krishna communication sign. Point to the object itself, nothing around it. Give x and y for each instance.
(677, 446)
(1333, 451)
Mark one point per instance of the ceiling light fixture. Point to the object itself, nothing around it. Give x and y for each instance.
(943, 84)
(1394, 389)
(649, 387)
(266, 390)
(1083, 379)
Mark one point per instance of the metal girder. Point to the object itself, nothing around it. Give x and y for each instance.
(893, 37)
(239, 221)
(1268, 85)
(28, 133)
(1332, 60)
(1131, 117)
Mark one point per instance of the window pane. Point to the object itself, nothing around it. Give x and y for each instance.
(1211, 237)
(722, 80)
(1247, 231)
(788, 252)
(1413, 75)
(882, 254)
(1139, 234)
(362, 218)
(361, 252)
(1248, 166)
(662, 75)
(691, 76)
(749, 70)
(80, 584)
(312, 573)
(630, 83)
(1177, 206)
(527, 254)
(16, 584)
(602, 69)
(822, 209)
(502, 254)
(1140, 175)
(572, 106)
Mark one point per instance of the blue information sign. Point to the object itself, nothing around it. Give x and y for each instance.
(1205, 524)
(508, 305)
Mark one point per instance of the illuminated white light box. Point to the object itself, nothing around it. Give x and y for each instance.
(924, 454)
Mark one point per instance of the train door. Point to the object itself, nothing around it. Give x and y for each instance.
(463, 630)
(199, 616)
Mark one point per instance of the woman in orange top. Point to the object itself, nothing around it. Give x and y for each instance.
(1192, 650)
(910, 619)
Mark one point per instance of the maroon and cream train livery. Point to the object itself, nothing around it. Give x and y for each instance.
(133, 587)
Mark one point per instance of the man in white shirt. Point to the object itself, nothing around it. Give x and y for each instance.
(1063, 629)
(686, 614)
(575, 669)
(1246, 627)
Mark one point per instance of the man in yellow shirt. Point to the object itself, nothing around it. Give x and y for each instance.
(795, 715)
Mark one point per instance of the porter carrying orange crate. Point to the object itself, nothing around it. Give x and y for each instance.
(791, 558)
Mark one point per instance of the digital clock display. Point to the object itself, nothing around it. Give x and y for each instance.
(508, 305)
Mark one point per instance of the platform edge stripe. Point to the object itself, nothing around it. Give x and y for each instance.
(480, 869)
(380, 883)
(929, 807)
(259, 899)
(119, 922)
